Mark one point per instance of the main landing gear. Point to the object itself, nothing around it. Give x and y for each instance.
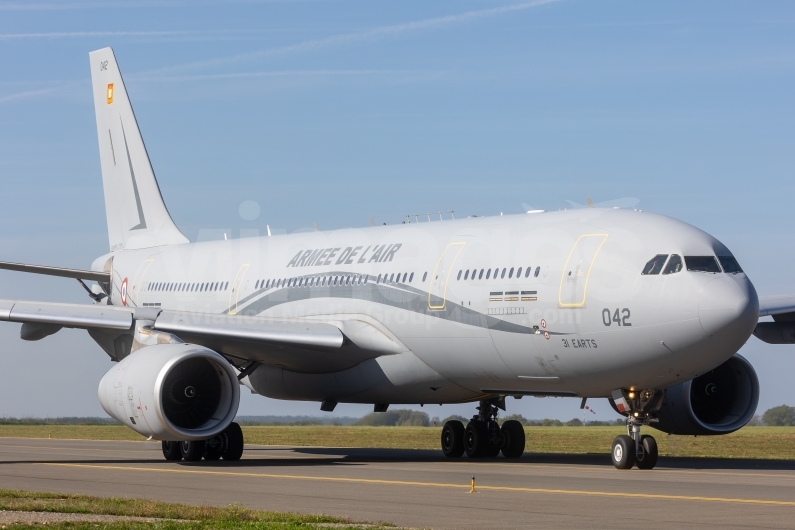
(633, 448)
(227, 445)
(483, 436)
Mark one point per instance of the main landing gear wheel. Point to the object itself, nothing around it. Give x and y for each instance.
(647, 459)
(453, 439)
(513, 439)
(171, 450)
(476, 439)
(234, 443)
(623, 452)
(192, 451)
(482, 439)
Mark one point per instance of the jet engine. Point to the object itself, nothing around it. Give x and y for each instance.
(717, 402)
(172, 392)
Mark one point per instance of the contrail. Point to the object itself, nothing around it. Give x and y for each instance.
(382, 31)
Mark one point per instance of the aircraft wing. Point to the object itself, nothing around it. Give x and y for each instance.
(293, 344)
(782, 329)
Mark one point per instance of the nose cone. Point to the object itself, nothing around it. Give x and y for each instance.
(728, 308)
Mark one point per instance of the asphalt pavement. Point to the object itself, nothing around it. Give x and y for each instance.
(422, 488)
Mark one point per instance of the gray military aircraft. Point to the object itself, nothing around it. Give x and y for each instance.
(638, 308)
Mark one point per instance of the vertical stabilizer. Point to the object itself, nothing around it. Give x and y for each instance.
(137, 216)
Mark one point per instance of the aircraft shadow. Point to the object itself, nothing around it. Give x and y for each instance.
(276, 457)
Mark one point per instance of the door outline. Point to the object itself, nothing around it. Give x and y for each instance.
(138, 283)
(234, 294)
(446, 279)
(587, 275)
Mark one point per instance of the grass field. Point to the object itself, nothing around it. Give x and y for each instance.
(166, 515)
(749, 442)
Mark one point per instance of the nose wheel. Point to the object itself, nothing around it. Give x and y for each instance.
(633, 449)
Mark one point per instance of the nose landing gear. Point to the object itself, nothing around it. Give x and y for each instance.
(483, 436)
(633, 448)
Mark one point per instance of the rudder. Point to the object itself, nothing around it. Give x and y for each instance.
(137, 216)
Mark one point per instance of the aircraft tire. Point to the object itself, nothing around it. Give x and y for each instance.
(171, 450)
(649, 460)
(513, 439)
(234, 443)
(623, 453)
(476, 439)
(453, 439)
(192, 451)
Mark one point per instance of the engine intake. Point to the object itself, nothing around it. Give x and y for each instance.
(172, 392)
(717, 402)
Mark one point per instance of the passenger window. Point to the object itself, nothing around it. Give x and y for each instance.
(459, 275)
(411, 278)
(480, 276)
(528, 271)
(503, 274)
(488, 273)
(655, 265)
(519, 272)
(392, 279)
(466, 275)
(425, 275)
(674, 265)
(365, 279)
(510, 274)
(404, 277)
(702, 264)
(729, 264)
(538, 269)
(378, 280)
(226, 286)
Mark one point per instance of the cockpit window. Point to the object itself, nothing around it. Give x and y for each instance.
(674, 265)
(655, 265)
(702, 263)
(729, 264)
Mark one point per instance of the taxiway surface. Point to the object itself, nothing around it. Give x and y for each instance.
(421, 488)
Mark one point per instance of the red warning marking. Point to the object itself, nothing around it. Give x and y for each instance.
(124, 292)
(546, 335)
(543, 323)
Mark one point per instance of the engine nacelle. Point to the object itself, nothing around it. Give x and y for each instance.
(717, 402)
(172, 392)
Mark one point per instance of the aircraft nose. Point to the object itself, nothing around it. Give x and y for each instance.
(728, 305)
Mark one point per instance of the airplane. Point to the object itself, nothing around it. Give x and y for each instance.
(642, 309)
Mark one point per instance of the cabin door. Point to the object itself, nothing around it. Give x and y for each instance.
(442, 273)
(577, 271)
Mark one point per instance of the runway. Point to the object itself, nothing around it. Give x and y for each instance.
(421, 488)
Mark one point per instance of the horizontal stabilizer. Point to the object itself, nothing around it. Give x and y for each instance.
(103, 276)
(66, 315)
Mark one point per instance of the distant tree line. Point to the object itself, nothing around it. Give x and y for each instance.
(781, 416)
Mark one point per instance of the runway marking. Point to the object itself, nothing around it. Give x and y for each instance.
(608, 469)
(621, 495)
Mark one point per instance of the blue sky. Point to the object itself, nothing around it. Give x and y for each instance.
(335, 111)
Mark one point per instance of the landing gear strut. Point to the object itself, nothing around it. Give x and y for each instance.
(483, 436)
(227, 445)
(633, 448)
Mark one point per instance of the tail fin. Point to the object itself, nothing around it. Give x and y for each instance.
(137, 216)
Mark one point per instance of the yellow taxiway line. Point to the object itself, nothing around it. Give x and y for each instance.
(622, 495)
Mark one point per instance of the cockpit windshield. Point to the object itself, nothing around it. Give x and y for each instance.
(655, 265)
(702, 264)
(729, 264)
(674, 265)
